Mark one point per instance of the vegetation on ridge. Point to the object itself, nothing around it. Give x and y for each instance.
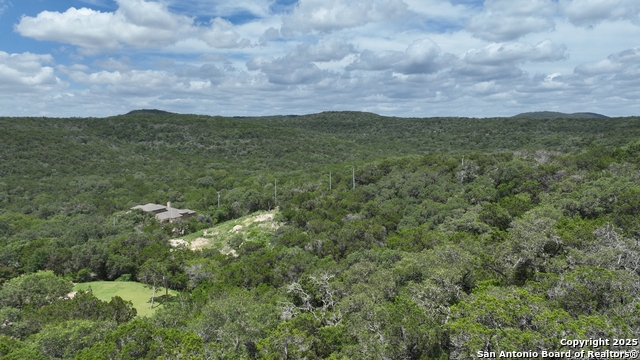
(559, 115)
(461, 235)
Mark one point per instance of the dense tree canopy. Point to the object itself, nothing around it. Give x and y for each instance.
(461, 235)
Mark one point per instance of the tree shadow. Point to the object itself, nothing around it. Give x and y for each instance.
(162, 299)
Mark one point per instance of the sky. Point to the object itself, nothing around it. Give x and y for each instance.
(407, 58)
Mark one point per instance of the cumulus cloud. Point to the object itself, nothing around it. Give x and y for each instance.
(625, 62)
(221, 35)
(147, 78)
(207, 71)
(421, 57)
(467, 73)
(591, 12)
(138, 83)
(323, 51)
(630, 56)
(331, 15)
(27, 73)
(316, 62)
(288, 71)
(610, 84)
(110, 63)
(500, 61)
(486, 88)
(505, 20)
(598, 68)
(135, 23)
(298, 66)
(517, 52)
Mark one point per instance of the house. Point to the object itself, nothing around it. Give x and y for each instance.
(166, 213)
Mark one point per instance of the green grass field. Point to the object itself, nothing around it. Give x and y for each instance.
(137, 293)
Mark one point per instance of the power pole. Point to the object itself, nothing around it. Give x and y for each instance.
(166, 289)
(218, 199)
(275, 192)
(463, 161)
(329, 180)
(353, 177)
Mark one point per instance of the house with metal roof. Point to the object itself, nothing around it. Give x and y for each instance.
(166, 213)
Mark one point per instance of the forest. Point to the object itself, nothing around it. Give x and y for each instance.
(397, 238)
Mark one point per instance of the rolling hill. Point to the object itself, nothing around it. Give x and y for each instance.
(559, 115)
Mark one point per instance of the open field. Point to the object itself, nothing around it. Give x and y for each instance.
(137, 293)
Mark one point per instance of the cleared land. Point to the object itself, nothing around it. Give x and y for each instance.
(229, 236)
(137, 293)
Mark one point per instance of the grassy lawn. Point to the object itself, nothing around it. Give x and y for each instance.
(132, 291)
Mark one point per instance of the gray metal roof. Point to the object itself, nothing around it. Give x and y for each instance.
(164, 213)
(150, 207)
(170, 214)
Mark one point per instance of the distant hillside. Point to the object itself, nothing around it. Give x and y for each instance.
(149, 112)
(558, 115)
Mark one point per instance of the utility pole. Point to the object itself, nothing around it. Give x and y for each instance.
(218, 199)
(166, 289)
(463, 161)
(329, 180)
(353, 177)
(275, 192)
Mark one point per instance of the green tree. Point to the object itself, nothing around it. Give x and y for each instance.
(153, 273)
(235, 320)
(38, 289)
(62, 340)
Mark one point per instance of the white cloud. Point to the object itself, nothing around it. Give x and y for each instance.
(298, 66)
(421, 57)
(591, 12)
(630, 56)
(499, 58)
(24, 73)
(4, 5)
(439, 9)
(122, 64)
(331, 15)
(142, 83)
(136, 23)
(205, 71)
(468, 74)
(323, 51)
(624, 64)
(504, 20)
(288, 71)
(486, 88)
(148, 79)
(514, 53)
(597, 68)
(221, 35)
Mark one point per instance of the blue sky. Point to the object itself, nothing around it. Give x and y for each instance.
(261, 57)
